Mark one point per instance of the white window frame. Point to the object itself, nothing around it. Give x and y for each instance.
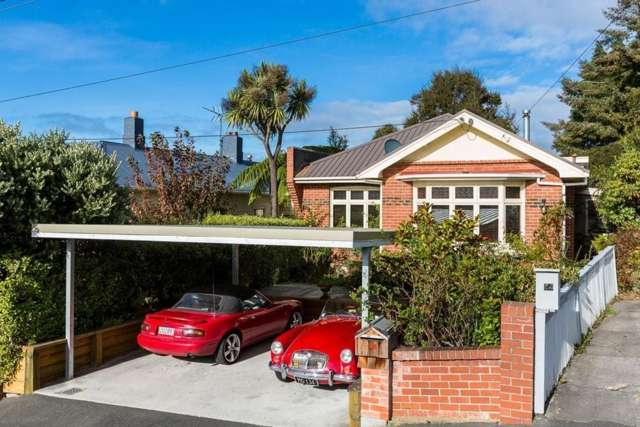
(476, 201)
(348, 202)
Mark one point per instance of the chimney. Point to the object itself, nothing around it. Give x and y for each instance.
(134, 131)
(231, 147)
(526, 120)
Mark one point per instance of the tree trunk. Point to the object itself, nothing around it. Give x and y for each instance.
(273, 181)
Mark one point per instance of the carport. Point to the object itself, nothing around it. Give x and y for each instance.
(364, 239)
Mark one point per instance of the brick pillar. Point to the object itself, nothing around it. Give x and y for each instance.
(375, 403)
(516, 365)
(295, 191)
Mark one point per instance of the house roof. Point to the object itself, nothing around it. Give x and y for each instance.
(125, 176)
(367, 161)
(351, 162)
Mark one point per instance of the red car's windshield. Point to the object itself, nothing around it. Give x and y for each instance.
(209, 303)
(340, 307)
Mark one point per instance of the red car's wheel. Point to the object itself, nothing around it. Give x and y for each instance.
(282, 378)
(229, 349)
(295, 320)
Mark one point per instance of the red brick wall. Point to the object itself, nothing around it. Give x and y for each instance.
(482, 384)
(446, 385)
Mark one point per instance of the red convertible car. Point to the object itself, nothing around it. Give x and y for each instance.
(203, 324)
(322, 351)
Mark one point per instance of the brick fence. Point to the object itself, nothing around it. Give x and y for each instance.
(467, 384)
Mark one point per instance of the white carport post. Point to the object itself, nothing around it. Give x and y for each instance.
(235, 264)
(69, 326)
(366, 258)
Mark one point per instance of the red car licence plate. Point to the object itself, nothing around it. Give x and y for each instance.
(164, 330)
(306, 381)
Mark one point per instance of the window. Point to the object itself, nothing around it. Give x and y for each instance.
(498, 208)
(355, 208)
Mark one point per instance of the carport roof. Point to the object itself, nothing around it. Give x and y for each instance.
(238, 235)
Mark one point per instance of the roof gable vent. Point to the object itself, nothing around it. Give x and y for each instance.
(391, 145)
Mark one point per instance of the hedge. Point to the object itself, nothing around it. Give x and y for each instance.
(221, 219)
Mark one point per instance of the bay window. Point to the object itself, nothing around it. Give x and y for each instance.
(498, 207)
(355, 207)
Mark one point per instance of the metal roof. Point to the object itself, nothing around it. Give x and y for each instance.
(350, 238)
(350, 162)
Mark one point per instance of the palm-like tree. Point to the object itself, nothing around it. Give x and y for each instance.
(256, 178)
(264, 102)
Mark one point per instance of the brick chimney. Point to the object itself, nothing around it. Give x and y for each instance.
(134, 131)
(231, 147)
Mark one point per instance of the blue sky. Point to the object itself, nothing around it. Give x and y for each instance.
(363, 78)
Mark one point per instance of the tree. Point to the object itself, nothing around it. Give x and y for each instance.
(183, 184)
(384, 130)
(604, 100)
(619, 201)
(43, 179)
(265, 101)
(335, 143)
(450, 91)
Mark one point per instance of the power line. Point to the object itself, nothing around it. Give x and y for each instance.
(120, 138)
(13, 6)
(240, 52)
(575, 61)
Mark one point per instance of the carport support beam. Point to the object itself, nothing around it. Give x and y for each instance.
(366, 258)
(235, 264)
(69, 328)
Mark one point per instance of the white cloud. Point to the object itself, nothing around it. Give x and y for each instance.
(550, 109)
(502, 80)
(52, 42)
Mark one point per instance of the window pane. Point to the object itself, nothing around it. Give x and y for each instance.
(512, 225)
(440, 213)
(374, 216)
(357, 195)
(489, 222)
(339, 216)
(513, 193)
(488, 192)
(440, 192)
(340, 195)
(357, 216)
(422, 193)
(467, 210)
(374, 195)
(464, 192)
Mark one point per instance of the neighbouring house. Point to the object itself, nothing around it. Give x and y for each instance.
(453, 162)
(231, 146)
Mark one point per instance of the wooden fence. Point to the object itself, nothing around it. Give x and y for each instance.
(44, 363)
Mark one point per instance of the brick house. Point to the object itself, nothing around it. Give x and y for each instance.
(453, 162)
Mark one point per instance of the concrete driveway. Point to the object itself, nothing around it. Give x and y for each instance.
(244, 392)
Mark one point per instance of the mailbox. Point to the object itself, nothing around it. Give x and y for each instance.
(547, 288)
(375, 343)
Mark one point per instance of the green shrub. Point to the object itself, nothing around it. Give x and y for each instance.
(31, 307)
(627, 241)
(444, 285)
(221, 219)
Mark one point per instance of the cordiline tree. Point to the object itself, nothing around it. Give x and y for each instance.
(183, 185)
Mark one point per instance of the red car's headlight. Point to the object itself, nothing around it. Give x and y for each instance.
(277, 348)
(346, 356)
(192, 332)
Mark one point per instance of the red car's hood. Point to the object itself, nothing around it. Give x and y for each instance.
(330, 335)
(183, 316)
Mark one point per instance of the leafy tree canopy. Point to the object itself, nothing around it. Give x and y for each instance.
(43, 179)
(619, 201)
(450, 91)
(384, 130)
(186, 184)
(604, 100)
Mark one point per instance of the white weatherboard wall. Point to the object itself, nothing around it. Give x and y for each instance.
(558, 332)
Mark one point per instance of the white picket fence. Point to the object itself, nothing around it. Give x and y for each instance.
(558, 332)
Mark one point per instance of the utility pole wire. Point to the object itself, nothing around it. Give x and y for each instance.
(575, 61)
(240, 52)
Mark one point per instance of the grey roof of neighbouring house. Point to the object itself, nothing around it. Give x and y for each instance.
(355, 160)
(125, 174)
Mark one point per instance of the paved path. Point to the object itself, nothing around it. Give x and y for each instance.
(37, 410)
(602, 385)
